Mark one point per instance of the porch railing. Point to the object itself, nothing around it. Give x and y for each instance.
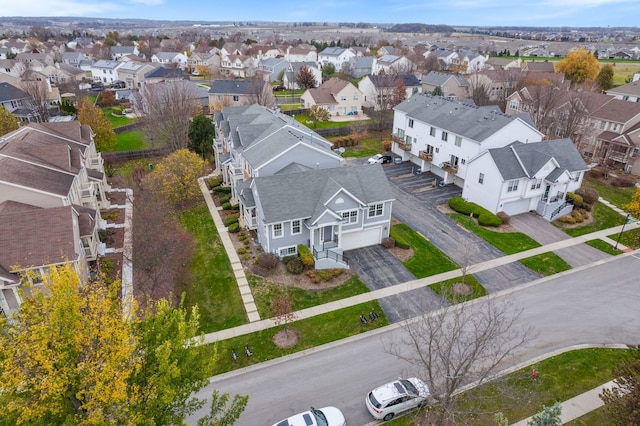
(328, 254)
(424, 155)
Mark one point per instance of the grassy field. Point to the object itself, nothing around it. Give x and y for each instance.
(630, 239)
(213, 286)
(507, 242)
(303, 118)
(116, 120)
(616, 196)
(546, 263)
(368, 146)
(622, 70)
(604, 246)
(128, 141)
(427, 260)
(445, 289)
(603, 217)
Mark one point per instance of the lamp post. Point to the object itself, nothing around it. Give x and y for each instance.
(626, 220)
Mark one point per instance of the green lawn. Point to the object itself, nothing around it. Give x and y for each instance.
(313, 332)
(444, 289)
(128, 141)
(264, 292)
(546, 263)
(507, 242)
(303, 118)
(616, 196)
(369, 146)
(213, 286)
(604, 246)
(115, 120)
(427, 260)
(596, 417)
(603, 217)
(630, 239)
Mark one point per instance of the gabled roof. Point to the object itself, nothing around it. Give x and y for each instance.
(234, 87)
(617, 110)
(472, 122)
(44, 179)
(311, 190)
(122, 50)
(333, 51)
(391, 80)
(164, 72)
(388, 59)
(107, 64)
(632, 89)
(519, 160)
(166, 56)
(437, 78)
(10, 93)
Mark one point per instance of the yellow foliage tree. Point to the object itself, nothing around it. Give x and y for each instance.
(66, 355)
(579, 66)
(175, 179)
(8, 121)
(105, 137)
(634, 206)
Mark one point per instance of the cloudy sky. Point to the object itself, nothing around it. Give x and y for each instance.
(573, 13)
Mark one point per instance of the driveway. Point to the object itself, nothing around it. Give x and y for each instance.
(415, 205)
(378, 268)
(545, 233)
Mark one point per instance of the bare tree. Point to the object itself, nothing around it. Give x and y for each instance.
(459, 345)
(282, 311)
(479, 89)
(35, 85)
(259, 92)
(168, 109)
(545, 98)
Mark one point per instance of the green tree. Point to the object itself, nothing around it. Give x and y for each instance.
(8, 121)
(105, 137)
(605, 77)
(622, 401)
(549, 416)
(328, 70)
(579, 66)
(318, 113)
(201, 135)
(437, 91)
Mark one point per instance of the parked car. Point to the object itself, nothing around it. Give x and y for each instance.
(380, 159)
(396, 397)
(327, 416)
(279, 88)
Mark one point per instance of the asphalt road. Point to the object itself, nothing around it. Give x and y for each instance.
(589, 305)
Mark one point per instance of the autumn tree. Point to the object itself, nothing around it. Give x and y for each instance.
(8, 121)
(634, 205)
(462, 344)
(579, 66)
(107, 97)
(318, 113)
(70, 356)
(605, 77)
(168, 109)
(622, 401)
(259, 92)
(305, 78)
(91, 115)
(175, 178)
(203, 70)
(201, 135)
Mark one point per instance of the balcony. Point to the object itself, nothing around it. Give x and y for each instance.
(402, 144)
(235, 170)
(449, 168)
(95, 163)
(426, 156)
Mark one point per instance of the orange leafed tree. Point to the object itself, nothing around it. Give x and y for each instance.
(579, 66)
(8, 121)
(105, 137)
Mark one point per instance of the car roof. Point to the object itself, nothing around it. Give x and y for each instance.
(389, 391)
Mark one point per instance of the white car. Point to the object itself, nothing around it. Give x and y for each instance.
(327, 416)
(379, 159)
(396, 397)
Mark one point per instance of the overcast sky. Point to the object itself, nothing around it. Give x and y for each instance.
(556, 13)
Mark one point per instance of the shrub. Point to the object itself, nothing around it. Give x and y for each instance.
(485, 217)
(241, 250)
(246, 256)
(461, 206)
(386, 145)
(234, 227)
(584, 213)
(623, 182)
(242, 236)
(306, 257)
(246, 243)
(596, 173)
(295, 266)
(287, 259)
(567, 219)
(388, 242)
(214, 182)
(226, 206)
(489, 219)
(117, 110)
(235, 207)
(267, 260)
(589, 195)
(575, 214)
(224, 198)
(313, 276)
(575, 199)
(329, 274)
(222, 189)
(230, 220)
(504, 217)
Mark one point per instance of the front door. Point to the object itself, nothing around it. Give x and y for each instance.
(327, 233)
(545, 197)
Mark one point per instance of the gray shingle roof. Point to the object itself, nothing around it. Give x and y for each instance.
(32, 176)
(10, 93)
(312, 189)
(233, 87)
(163, 72)
(471, 122)
(437, 78)
(391, 80)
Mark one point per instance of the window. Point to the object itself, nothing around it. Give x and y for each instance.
(295, 227)
(536, 184)
(634, 153)
(445, 136)
(513, 186)
(277, 230)
(288, 251)
(458, 141)
(411, 123)
(513, 105)
(481, 178)
(615, 126)
(350, 216)
(376, 210)
(437, 150)
(463, 161)
(343, 98)
(577, 178)
(236, 98)
(602, 125)
(401, 133)
(432, 131)
(355, 96)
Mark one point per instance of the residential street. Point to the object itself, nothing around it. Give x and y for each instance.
(586, 306)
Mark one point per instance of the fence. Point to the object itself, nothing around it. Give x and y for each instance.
(120, 156)
(127, 127)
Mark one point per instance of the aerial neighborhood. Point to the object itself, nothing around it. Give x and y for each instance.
(269, 189)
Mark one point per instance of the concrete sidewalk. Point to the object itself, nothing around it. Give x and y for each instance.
(578, 406)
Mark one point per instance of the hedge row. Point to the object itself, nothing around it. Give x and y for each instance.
(485, 217)
(400, 242)
(230, 220)
(305, 255)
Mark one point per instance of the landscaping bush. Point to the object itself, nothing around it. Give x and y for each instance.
(567, 219)
(575, 214)
(231, 220)
(306, 257)
(485, 217)
(386, 146)
(222, 189)
(313, 276)
(233, 228)
(399, 241)
(214, 182)
(241, 250)
(329, 274)
(489, 219)
(226, 206)
(623, 182)
(223, 199)
(461, 206)
(589, 195)
(584, 213)
(235, 207)
(287, 259)
(295, 266)
(575, 199)
(267, 260)
(388, 242)
(504, 217)
(596, 173)
(116, 110)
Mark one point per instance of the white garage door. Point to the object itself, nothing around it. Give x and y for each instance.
(516, 207)
(368, 237)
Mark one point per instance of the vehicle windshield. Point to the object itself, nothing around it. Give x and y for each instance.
(411, 390)
(321, 419)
